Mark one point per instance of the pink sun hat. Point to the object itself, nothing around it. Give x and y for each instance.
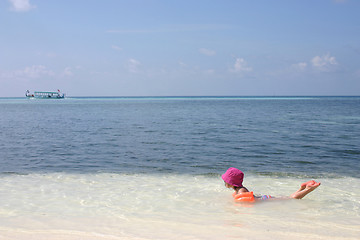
(233, 176)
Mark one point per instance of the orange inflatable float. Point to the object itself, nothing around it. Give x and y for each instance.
(244, 197)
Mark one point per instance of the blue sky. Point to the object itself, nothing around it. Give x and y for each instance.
(186, 48)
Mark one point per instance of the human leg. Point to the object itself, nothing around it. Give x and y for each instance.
(305, 188)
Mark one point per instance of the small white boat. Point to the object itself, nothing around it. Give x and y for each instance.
(45, 95)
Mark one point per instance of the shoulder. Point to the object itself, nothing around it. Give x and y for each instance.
(242, 190)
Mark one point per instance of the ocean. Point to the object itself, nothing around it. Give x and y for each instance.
(150, 167)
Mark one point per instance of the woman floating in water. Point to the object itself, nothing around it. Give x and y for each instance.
(233, 178)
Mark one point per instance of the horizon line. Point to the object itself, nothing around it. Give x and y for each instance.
(200, 96)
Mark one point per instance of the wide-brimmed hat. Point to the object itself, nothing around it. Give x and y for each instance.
(233, 176)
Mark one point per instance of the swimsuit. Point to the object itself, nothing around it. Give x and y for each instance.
(265, 197)
(249, 197)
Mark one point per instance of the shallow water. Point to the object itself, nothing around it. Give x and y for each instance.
(149, 168)
(145, 206)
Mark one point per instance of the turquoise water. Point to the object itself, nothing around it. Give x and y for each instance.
(149, 168)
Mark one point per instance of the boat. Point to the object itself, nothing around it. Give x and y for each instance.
(45, 95)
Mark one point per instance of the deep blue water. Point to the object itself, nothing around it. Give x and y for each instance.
(286, 136)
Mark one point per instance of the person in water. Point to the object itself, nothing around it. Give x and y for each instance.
(234, 177)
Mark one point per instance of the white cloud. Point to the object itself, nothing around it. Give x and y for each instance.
(34, 71)
(300, 66)
(207, 52)
(117, 48)
(68, 72)
(182, 64)
(240, 66)
(21, 5)
(324, 63)
(133, 65)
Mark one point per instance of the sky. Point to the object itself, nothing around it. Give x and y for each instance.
(180, 48)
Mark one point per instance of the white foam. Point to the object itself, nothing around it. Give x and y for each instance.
(121, 206)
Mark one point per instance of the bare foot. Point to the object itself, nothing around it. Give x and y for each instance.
(305, 189)
(303, 185)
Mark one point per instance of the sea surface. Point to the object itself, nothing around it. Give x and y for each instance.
(150, 167)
